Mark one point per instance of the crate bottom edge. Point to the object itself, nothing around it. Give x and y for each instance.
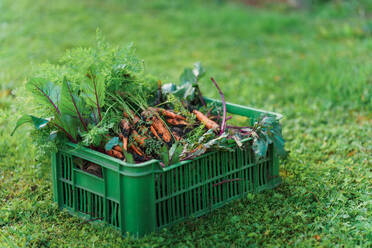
(273, 184)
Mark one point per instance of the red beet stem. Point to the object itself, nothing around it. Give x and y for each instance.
(223, 124)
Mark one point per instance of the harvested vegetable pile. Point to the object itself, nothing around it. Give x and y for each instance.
(101, 98)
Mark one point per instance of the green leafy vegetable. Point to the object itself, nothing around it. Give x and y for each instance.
(188, 84)
(111, 143)
(129, 158)
(37, 122)
(96, 134)
(198, 70)
(265, 131)
(172, 155)
(71, 103)
(187, 77)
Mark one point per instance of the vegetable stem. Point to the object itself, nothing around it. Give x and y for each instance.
(76, 108)
(223, 124)
(68, 135)
(95, 92)
(201, 96)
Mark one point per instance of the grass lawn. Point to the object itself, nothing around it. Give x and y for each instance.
(314, 67)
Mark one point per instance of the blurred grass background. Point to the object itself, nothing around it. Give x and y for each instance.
(309, 60)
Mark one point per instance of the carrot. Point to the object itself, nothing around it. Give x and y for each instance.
(157, 124)
(176, 122)
(116, 154)
(126, 129)
(140, 139)
(124, 139)
(125, 143)
(136, 119)
(118, 148)
(152, 129)
(170, 114)
(206, 121)
(136, 150)
(124, 123)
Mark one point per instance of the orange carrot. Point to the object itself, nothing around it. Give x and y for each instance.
(155, 133)
(125, 143)
(124, 139)
(140, 139)
(157, 124)
(170, 114)
(176, 122)
(124, 123)
(136, 150)
(114, 153)
(206, 121)
(135, 117)
(125, 114)
(118, 148)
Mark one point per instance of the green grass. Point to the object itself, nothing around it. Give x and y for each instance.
(313, 67)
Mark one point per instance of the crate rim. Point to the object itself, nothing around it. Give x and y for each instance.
(229, 104)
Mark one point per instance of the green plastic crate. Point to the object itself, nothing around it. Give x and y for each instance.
(142, 198)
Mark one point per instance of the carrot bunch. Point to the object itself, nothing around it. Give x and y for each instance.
(160, 125)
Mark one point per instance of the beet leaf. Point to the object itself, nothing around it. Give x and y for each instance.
(71, 102)
(45, 92)
(93, 90)
(38, 123)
